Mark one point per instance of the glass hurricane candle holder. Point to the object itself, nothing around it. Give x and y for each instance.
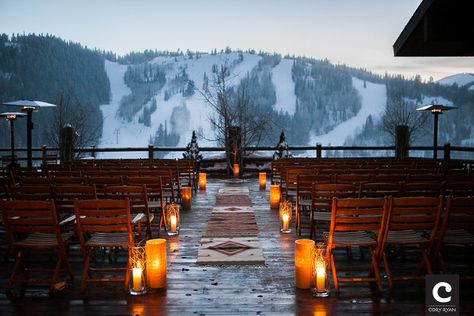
(172, 219)
(275, 196)
(137, 259)
(156, 263)
(304, 249)
(186, 195)
(262, 180)
(202, 181)
(236, 170)
(320, 279)
(286, 210)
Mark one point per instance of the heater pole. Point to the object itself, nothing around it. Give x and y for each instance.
(12, 141)
(29, 128)
(435, 136)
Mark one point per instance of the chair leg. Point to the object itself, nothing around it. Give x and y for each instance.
(11, 281)
(334, 272)
(387, 270)
(56, 271)
(427, 262)
(139, 230)
(85, 270)
(297, 216)
(67, 265)
(148, 228)
(312, 228)
(375, 269)
(127, 277)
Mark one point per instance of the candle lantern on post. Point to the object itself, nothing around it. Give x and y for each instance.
(303, 263)
(172, 219)
(320, 287)
(186, 195)
(262, 180)
(156, 263)
(202, 181)
(275, 196)
(136, 261)
(286, 210)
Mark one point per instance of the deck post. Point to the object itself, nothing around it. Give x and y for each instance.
(447, 152)
(44, 154)
(150, 152)
(319, 150)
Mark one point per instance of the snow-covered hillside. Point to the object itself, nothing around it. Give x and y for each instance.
(373, 99)
(195, 112)
(460, 79)
(285, 87)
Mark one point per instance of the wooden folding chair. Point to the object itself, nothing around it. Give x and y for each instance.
(156, 199)
(459, 188)
(375, 189)
(457, 229)
(64, 196)
(33, 225)
(139, 208)
(321, 202)
(304, 188)
(31, 192)
(358, 222)
(101, 182)
(429, 189)
(412, 221)
(102, 223)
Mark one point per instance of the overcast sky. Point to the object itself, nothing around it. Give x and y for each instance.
(359, 33)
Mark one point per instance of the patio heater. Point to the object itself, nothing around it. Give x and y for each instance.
(11, 117)
(436, 109)
(28, 107)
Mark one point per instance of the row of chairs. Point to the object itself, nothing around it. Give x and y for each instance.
(387, 223)
(147, 200)
(170, 186)
(33, 225)
(315, 198)
(369, 166)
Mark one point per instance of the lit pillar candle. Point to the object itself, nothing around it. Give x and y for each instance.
(262, 180)
(275, 195)
(156, 263)
(236, 170)
(202, 181)
(186, 196)
(137, 279)
(320, 278)
(173, 223)
(303, 263)
(286, 222)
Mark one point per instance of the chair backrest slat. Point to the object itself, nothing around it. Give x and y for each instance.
(102, 216)
(359, 214)
(421, 213)
(25, 216)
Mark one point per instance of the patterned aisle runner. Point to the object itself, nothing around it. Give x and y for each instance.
(232, 232)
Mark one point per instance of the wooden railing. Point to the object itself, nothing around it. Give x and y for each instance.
(50, 155)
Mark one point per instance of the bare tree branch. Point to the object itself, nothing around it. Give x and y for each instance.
(403, 112)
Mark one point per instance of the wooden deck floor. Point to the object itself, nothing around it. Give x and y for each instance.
(224, 290)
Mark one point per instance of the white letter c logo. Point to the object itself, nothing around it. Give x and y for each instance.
(436, 296)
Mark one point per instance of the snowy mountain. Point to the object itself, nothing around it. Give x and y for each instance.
(155, 97)
(158, 101)
(463, 79)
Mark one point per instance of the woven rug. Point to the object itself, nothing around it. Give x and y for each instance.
(231, 236)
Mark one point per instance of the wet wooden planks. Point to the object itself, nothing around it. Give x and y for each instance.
(224, 290)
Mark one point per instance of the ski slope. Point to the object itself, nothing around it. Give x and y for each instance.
(285, 87)
(373, 102)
